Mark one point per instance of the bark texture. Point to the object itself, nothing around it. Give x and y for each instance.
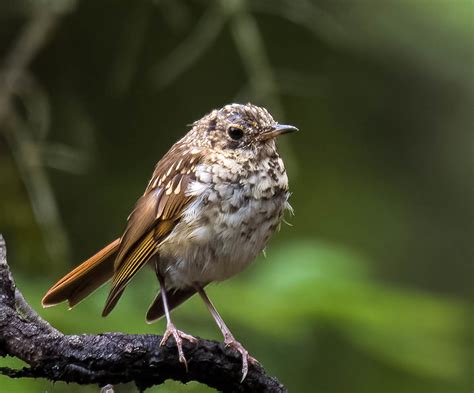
(112, 358)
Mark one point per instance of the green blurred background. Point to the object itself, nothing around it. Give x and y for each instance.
(369, 289)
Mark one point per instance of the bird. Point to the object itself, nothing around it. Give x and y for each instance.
(208, 211)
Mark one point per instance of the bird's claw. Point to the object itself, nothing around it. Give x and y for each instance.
(231, 342)
(178, 336)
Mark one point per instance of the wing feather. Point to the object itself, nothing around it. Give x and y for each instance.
(153, 218)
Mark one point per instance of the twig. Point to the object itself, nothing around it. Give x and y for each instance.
(193, 47)
(113, 358)
(253, 53)
(307, 14)
(24, 150)
(24, 51)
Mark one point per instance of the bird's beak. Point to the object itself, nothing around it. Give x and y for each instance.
(278, 130)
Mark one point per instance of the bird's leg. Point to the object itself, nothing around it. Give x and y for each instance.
(229, 339)
(171, 330)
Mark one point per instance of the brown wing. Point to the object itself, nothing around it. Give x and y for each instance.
(154, 217)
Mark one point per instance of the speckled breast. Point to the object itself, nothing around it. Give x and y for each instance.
(236, 210)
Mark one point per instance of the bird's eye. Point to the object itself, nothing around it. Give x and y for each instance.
(235, 133)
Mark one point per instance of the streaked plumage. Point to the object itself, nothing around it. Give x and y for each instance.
(209, 209)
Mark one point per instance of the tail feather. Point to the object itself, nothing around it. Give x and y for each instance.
(84, 279)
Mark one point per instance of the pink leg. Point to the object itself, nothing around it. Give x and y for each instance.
(171, 329)
(229, 339)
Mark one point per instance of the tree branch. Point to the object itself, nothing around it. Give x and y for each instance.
(112, 358)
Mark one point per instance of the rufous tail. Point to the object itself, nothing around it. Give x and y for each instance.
(84, 279)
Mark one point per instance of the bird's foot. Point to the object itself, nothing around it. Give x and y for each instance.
(231, 342)
(178, 336)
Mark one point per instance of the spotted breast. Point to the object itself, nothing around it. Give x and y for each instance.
(230, 220)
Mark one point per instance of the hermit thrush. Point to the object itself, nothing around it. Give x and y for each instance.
(209, 209)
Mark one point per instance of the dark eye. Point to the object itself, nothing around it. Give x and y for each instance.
(235, 133)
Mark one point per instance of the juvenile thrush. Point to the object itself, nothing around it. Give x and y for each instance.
(213, 202)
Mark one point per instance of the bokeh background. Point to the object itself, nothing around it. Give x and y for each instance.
(368, 289)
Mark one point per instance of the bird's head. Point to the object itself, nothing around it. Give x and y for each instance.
(239, 128)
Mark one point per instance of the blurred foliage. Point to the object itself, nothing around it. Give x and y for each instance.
(370, 289)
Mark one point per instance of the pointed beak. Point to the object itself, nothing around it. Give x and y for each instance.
(278, 130)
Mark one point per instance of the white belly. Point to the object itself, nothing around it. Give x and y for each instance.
(221, 232)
